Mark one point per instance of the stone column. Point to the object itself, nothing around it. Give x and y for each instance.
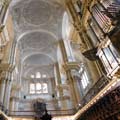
(7, 95)
(2, 90)
(58, 81)
(11, 105)
(7, 90)
(14, 100)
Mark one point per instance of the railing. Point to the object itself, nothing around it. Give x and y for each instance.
(107, 108)
(52, 112)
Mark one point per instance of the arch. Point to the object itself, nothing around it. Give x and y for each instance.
(37, 53)
(43, 70)
(34, 31)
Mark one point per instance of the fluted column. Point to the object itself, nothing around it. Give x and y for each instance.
(13, 104)
(7, 90)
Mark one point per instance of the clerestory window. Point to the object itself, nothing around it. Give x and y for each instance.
(38, 88)
(84, 80)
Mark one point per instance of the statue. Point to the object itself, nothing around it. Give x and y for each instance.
(41, 111)
(46, 116)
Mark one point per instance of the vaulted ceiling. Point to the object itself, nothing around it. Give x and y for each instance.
(38, 28)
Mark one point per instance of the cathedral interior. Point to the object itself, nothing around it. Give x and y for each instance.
(59, 60)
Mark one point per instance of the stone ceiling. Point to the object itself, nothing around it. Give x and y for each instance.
(37, 59)
(37, 15)
(38, 27)
(38, 63)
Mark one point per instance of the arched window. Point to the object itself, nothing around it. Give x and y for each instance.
(84, 80)
(45, 88)
(38, 75)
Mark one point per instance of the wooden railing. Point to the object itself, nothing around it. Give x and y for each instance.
(107, 108)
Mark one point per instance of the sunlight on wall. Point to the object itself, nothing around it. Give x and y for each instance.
(66, 26)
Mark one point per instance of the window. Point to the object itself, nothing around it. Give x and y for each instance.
(38, 88)
(45, 90)
(44, 76)
(32, 88)
(38, 75)
(84, 80)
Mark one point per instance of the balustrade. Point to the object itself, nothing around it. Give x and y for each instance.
(106, 108)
